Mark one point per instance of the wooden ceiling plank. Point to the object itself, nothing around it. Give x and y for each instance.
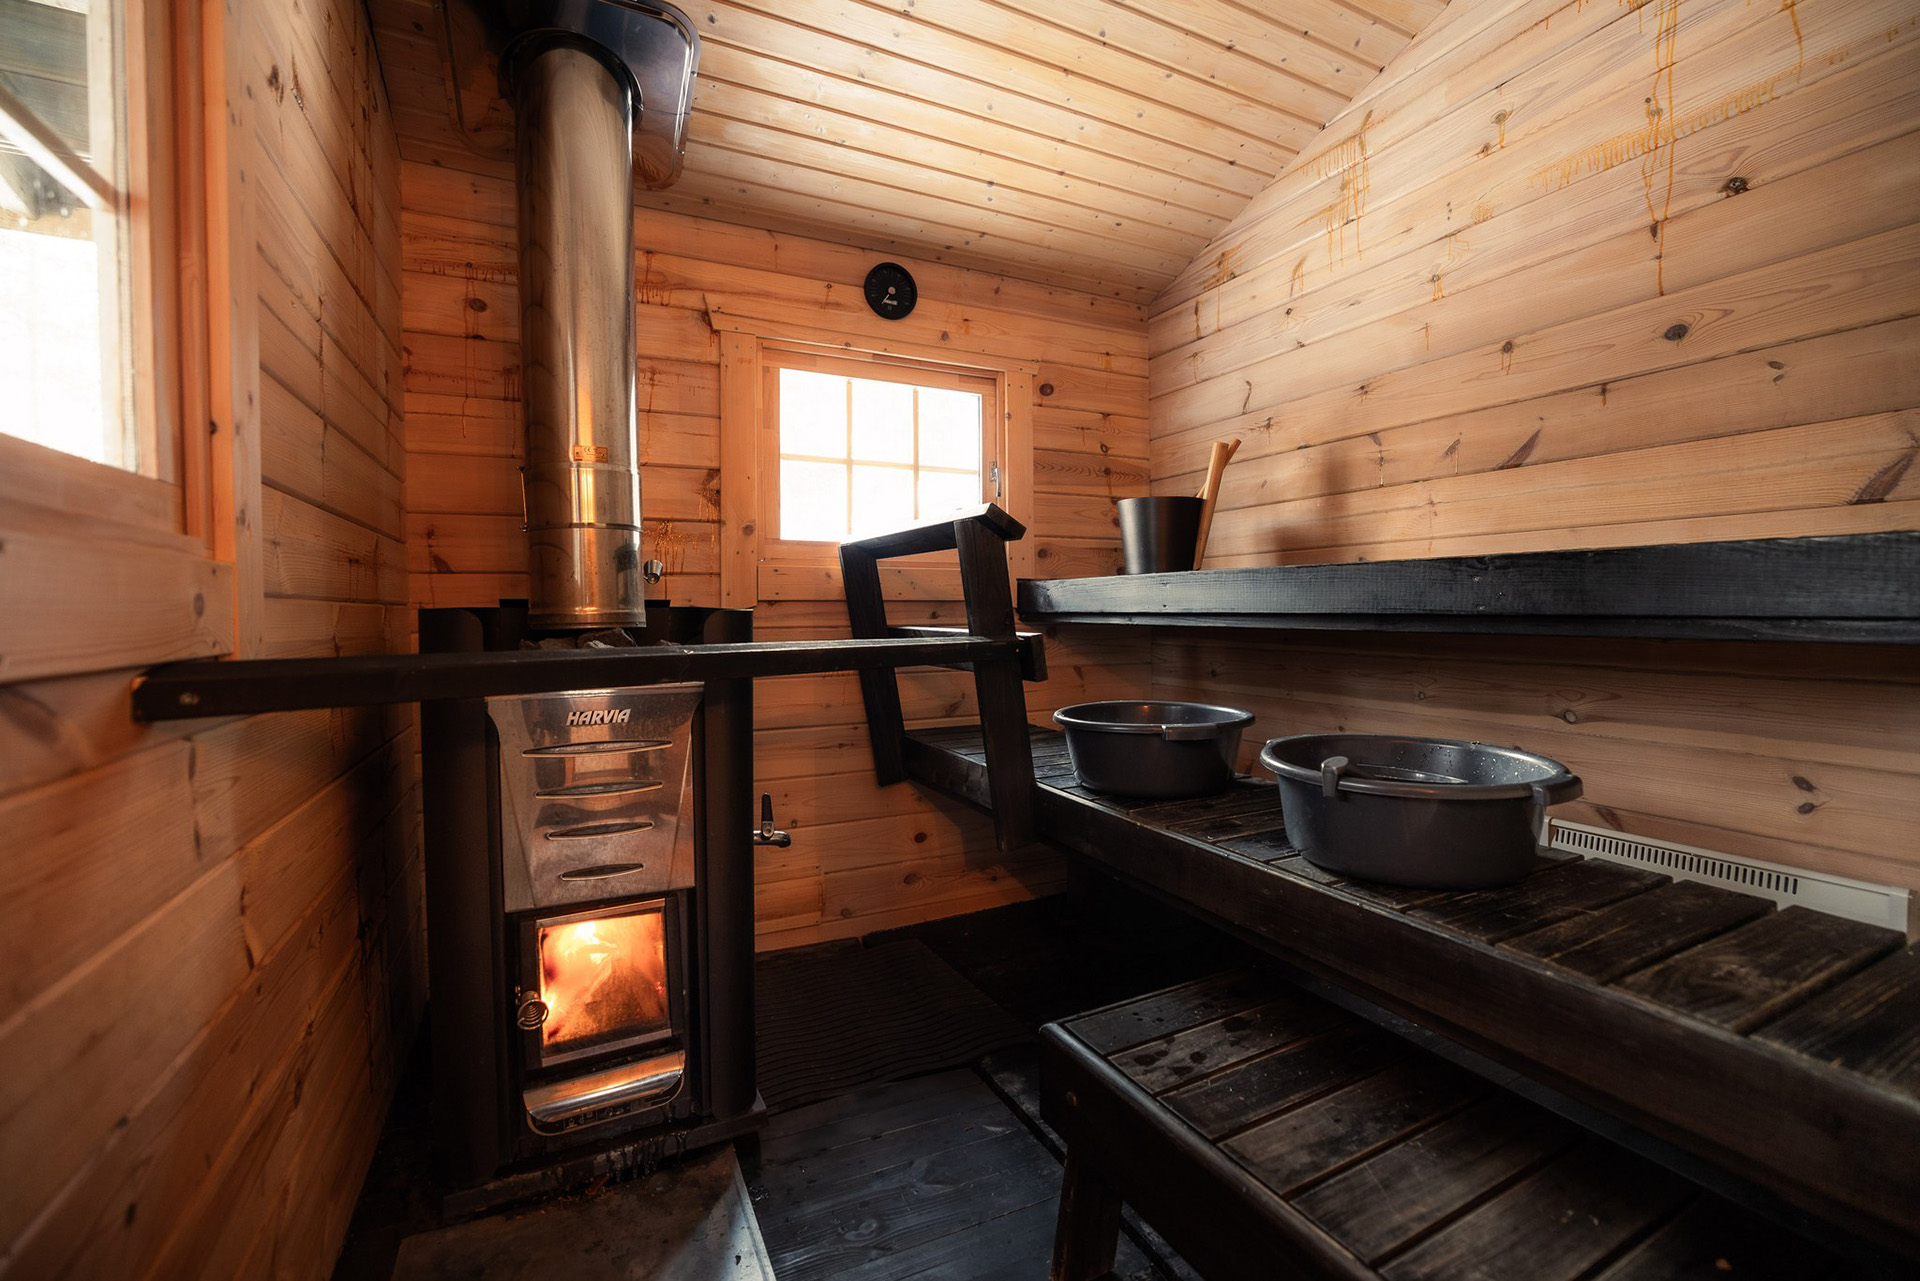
(1136, 59)
(1257, 27)
(918, 184)
(1015, 54)
(1409, 17)
(1245, 63)
(754, 177)
(1058, 154)
(1056, 112)
(754, 106)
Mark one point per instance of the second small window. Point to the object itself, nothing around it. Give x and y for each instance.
(884, 448)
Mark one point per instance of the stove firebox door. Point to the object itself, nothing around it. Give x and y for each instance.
(601, 1010)
(599, 982)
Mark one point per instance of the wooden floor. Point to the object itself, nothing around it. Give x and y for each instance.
(953, 1175)
(933, 1177)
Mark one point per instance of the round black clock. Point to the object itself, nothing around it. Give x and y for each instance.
(891, 291)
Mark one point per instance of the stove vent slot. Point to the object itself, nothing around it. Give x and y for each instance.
(603, 872)
(1883, 905)
(587, 831)
(623, 787)
(617, 747)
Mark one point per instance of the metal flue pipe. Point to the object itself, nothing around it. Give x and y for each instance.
(574, 166)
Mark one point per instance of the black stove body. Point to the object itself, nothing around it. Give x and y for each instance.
(590, 914)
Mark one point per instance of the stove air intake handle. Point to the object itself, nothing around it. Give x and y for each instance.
(767, 834)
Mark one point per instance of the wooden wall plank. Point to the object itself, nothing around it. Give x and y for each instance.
(111, 1218)
(195, 1052)
(98, 1040)
(148, 599)
(152, 809)
(1568, 277)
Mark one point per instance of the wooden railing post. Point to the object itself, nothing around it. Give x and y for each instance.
(879, 689)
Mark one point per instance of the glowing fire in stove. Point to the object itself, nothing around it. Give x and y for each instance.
(603, 980)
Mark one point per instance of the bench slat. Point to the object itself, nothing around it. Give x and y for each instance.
(1194, 1053)
(1384, 1201)
(1711, 1240)
(1553, 1225)
(1134, 1022)
(1615, 941)
(1870, 1023)
(1316, 1139)
(1742, 979)
(1541, 900)
(1238, 1097)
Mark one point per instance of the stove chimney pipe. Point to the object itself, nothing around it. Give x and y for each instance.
(575, 74)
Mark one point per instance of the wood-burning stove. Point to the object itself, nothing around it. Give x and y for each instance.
(590, 921)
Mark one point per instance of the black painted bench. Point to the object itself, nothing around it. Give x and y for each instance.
(1782, 1046)
(1268, 1133)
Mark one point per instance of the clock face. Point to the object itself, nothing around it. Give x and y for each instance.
(890, 291)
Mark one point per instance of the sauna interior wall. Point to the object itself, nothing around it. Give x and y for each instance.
(863, 857)
(1578, 275)
(212, 930)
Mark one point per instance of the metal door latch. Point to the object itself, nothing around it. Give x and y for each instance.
(529, 1011)
(767, 833)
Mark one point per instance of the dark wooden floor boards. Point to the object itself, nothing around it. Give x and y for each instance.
(933, 1177)
(953, 1176)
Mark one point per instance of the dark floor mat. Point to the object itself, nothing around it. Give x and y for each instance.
(830, 1019)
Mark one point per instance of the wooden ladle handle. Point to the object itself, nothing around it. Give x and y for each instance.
(1210, 493)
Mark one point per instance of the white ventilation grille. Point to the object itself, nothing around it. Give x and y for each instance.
(1838, 895)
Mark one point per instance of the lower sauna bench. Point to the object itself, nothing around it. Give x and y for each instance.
(1266, 1133)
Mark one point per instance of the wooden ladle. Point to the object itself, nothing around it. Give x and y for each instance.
(1210, 493)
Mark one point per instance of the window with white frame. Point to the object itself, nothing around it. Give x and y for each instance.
(65, 287)
(866, 447)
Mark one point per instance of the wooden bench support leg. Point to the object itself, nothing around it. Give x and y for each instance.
(1088, 1232)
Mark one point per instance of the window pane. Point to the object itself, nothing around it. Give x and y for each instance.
(813, 501)
(942, 491)
(950, 428)
(50, 346)
(882, 421)
(65, 349)
(882, 499)
(47, 65)
(813, 414)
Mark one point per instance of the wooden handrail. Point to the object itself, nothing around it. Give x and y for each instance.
(938, 535)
